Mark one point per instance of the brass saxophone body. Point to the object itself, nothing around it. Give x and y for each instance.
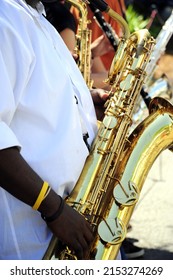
(83, 41)
(117, 166)
(155, 87)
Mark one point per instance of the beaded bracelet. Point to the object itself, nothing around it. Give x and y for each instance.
(41, 196)
(56, 214)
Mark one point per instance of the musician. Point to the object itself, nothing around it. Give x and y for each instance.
(46, 110)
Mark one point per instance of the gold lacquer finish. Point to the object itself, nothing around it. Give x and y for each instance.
(144, 145)
(83, 41)
(114, 173)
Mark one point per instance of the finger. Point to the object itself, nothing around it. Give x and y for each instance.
(89, 227)
(99, 95)
(103, 94)
(85, 248)
(77, 249)
(88, 234)
(79, 252)
(89, 237)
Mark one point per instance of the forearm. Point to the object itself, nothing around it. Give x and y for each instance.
(19, 179)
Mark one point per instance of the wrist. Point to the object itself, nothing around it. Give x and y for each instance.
(56, 214)
(50, 204)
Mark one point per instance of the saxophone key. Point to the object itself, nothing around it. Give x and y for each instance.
(126, 196)
(112, 231)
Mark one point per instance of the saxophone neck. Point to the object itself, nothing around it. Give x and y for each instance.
(82, 8)
(83, 41)
(104, 7)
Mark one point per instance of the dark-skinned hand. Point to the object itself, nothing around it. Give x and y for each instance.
(72, 229)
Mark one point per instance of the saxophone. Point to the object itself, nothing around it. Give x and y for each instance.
(159, 49)
(83, 41)
(155, 87)
(117, 166)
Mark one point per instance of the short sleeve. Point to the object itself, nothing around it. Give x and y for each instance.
(60, 16)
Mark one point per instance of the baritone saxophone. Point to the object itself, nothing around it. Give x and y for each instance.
(119, 161)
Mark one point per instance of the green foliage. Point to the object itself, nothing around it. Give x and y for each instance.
(135, 20)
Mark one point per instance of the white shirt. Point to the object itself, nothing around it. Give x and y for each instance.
(39, 80)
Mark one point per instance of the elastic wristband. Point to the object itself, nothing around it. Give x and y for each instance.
(41, 196)
(56, 214)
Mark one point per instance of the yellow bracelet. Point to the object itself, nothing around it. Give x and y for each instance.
(41, 196)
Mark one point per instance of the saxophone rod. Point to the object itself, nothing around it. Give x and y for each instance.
(104, 7)
(146, 97)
